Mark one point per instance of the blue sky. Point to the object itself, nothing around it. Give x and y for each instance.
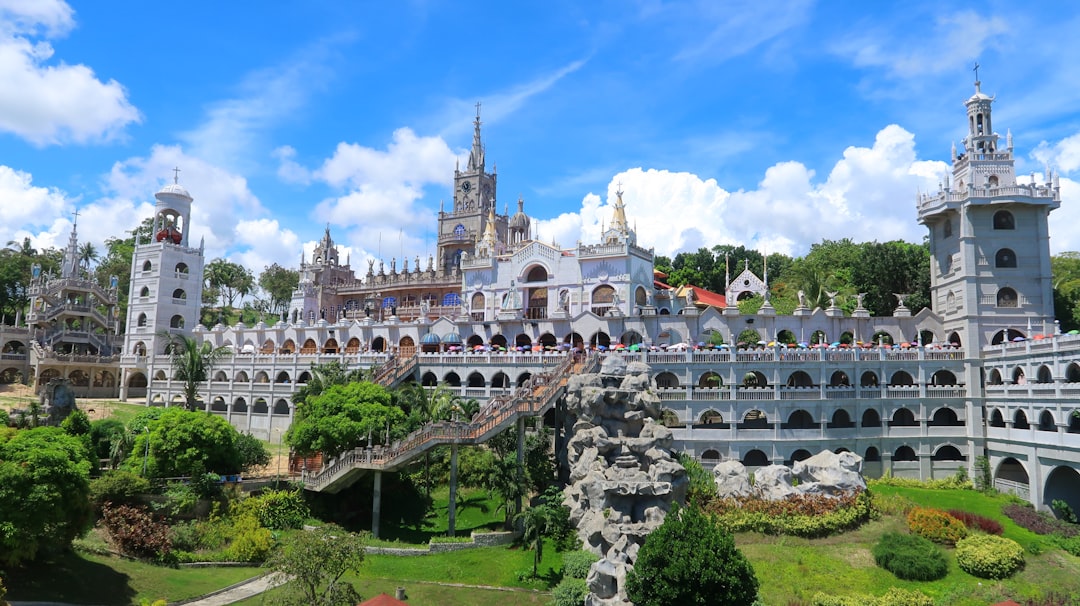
(724, 122)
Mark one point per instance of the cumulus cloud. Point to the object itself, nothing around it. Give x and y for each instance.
(868, 195)
(48, 103)
(24, 204)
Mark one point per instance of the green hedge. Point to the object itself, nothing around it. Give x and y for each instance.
(936, 525)
(910, 557)
(894, 597)
(570, 592)
(576, 564)
(809, 526)
(989, 557)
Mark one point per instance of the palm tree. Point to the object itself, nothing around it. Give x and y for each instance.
(436, 404)
(192, 362)
(88, 253)
(536, 521)
(24, 248)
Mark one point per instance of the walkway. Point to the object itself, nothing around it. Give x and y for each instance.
(240, 591)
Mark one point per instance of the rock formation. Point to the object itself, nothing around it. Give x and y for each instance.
(623, 478)
(827, 473)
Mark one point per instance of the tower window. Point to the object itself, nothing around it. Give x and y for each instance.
(1006, 297)
(1003, 219)
(459, 230)
(147, 265)
(992, 181)
(1005, 258)
(946, 230)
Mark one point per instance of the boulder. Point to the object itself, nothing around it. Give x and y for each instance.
(773, 482)
(830, 473)
(732, 480)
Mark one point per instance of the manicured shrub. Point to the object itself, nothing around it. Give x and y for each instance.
(893, 597)
(935, 525)
(576, 564)
(134, 532)
(250, 542)
(803, 515)
(910, 557)
(974, 521)
(570, 592)
(1038, 522)
(989, 557)
(1069, 544)
(118, 487)
(1063, 511)
(278, 509)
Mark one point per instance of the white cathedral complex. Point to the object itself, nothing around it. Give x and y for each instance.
(986, 373)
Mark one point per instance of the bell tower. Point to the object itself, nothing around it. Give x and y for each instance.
(989, 241)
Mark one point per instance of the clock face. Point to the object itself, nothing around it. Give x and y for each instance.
(466, 186)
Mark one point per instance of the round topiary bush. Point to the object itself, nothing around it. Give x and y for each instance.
(910, 557)
(989, 557)
(935, 525)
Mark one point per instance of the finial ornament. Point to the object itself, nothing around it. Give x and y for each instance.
(176, 175)
(75, 223)
(976, 69)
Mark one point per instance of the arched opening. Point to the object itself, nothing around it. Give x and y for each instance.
(882, 337)
(954, 339)
(281, 407)
(668, 418)
(331, 346)
(48, 375)
(1044, 375)
(79, 378)
(260, 407)
(406, 347)
(1072, 373)
(800, 419)
(304, 378)
(630, 337)
(905, 453)
(1018, 377)
(147, 265)
(786, 337)
(1012, 470)
(903, 418)
(141, 321)
(537, 274)
(145, 292)
(500, 380)
(600, 340)
(523, 341)
(948, 452)
(282, 377)
(477, 304)
(474, 341)
(309, 347)
(1046, 421)
(378, 344)
(498, 342)
(711, 419)
(137, 380)
(667, 380)
(428, 379)
(241, 377)
(1062, 484)
(748, 338)
(452, 379)
(870, 418)
(1006, 297)
(218, 405)
(352, 346)
(476, 379)
(995, 377)
(1020, 420)
(710, 457)
(641, 297)
(240, 406)
(523, 378)
(548, 340)
(926, 337)
(1003, 219)
(872, 455)
(10, 375)
(179, 294)
(755, 458)
(997, 419)
(754, 419)
(158, 376)
(1074, 422)
(288, 347)
(603, 299)
(943, 377)
(268, 347)
(574, 340)
(868, 379)
(176, 321)
(262, 377)
(800, 378)
(710, 380)
(841, 420)
(901, 378)
(799, 455)
(1005, 258)
(839, 379)
(945, 417)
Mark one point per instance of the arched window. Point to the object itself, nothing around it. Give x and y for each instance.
(451, 299)
(997, 419)
(1046, 421)
(800, 378)
(459, 230)
(755, 458)
(868, 379)
(901, 377)
(537, 274)
(1020, 420)
(948, 452)
(841, 420)
(870, 418)
(181, 269)
(179, 294)
(476, 379)
(872, 455)
(147, 265)
(145, 292)
(943, 377)
(667, 380)
(142, 320)
(602, 299)
(1003, 219)
(1005, 258)
(800, 419)
(945, 417)
(1072, 373)
(905, 453)
(903, 418)
(1044, 375)
(177, 321)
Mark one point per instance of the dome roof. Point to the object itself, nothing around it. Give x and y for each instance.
(431, 339)
(175, 189)
(452, 339)
(519, 221)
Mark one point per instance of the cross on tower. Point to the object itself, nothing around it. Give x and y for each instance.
(176, 175)
(76, 215)
(478, 110)
(976, 71)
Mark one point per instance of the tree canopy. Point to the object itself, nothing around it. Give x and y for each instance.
(279, 284)
(230, 280)
(187, 444)
(191, 363)
(44, 493)
(316, 560)
(343, 417)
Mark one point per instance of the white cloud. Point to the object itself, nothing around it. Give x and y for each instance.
(1063, 221)
(732, 29)
(289, 170)
(261, 242)
(868, 195)
(53, 104)
(24, 204)
(1065, 154)
(408, 159)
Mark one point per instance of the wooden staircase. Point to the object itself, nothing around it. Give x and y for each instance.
(533, 399)
(394, 370)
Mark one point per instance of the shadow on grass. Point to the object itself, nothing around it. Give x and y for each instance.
(68, 578)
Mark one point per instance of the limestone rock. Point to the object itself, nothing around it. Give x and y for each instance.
(732, 480)
(830, 473)
(773, 482)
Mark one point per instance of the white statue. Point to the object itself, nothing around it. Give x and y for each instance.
(832, 298)
(564, 299)
(689, 297)
(802, 298)
(859, 300)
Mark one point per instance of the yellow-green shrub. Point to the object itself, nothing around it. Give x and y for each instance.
(893, 597)
(251, 542)
(989, 557)
(936, 525)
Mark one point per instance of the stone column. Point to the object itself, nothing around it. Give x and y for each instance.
(452, 508)
(376, 504)
(520, 459)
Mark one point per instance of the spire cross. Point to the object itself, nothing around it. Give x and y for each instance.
(176, 175)
(477, 111)
(976, 71)
(76, 215)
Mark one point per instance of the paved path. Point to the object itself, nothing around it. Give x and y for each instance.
(229, 595)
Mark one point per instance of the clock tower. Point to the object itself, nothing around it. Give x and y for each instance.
(474, 202)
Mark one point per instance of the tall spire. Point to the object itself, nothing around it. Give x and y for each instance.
(618, 219)
(71, 253)
(476, 156)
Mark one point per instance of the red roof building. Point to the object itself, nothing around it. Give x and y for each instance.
(383, 600)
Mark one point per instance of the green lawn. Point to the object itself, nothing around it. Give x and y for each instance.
(476, 511)
(92, 579)
(792, 569)
(425, 594)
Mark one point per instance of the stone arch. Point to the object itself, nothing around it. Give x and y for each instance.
(945, 417)
(710, 379)
(1044, 375)
(871, 418)
(667, 380)
(141, 320)
(523, 378)
(631, 337)
(330, 346)
(452, 379)
(1018, 377)
(943, 377)
(11, 375)
(599, 339)
(147, 265)
(903, 417)
(179, 294)
(868, 379)
(1005, 258)
(288, 347)
(476, 379)
(281, 407)
(948, 452)
(160, 376)
(926, 336)
(1007, 297)
(712, 419)
(800, 419)
(498, 341)
(1047, 422)
(523, 341)
(995, 377)
(261, 377)
(839, 379)
(1072, 373)
(474, 341)
(786, 337)
(801, 454)
(176, 321)
(145, 292)
(406, 346)
(872, 454)
(901, 377)
(104, 378)
(137, 380)
(1063, 484)
(260, 407)
(602, 298)
(241, 377)
(304, 378)
(1003, 219)
(755, 419)
(428, 379)
(841, 420)
(352, 346)
(219, 405)
(378, 344)
(905, 453)
(1012, 470)
(1074, 422)
(1020, 420)
(755, 458)
(548, 340)
(282, 377)
(800, 378)
(883, 337)
(641, 296)
(309, 347)
(668, 418)
(710, 457)
(477, 303)
(954, 339)
(268, 347)
(220, 377)
(755, 378)
(748, 338)
(240, 406)
(48, 375)
(79, 378)
(997, 419)
(500, 380)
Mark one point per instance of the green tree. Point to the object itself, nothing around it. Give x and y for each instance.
(424, 405)
(117, 262)
(279, 283)
(344, 417)
(191, 364)
(893, 267)
(88, 253)
(187, 444)
(232, 280)
(690, 560)
(536, 522)
(253, 452)
(324, 376)
(44, 493)
(316, 560)
(1065, 270)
